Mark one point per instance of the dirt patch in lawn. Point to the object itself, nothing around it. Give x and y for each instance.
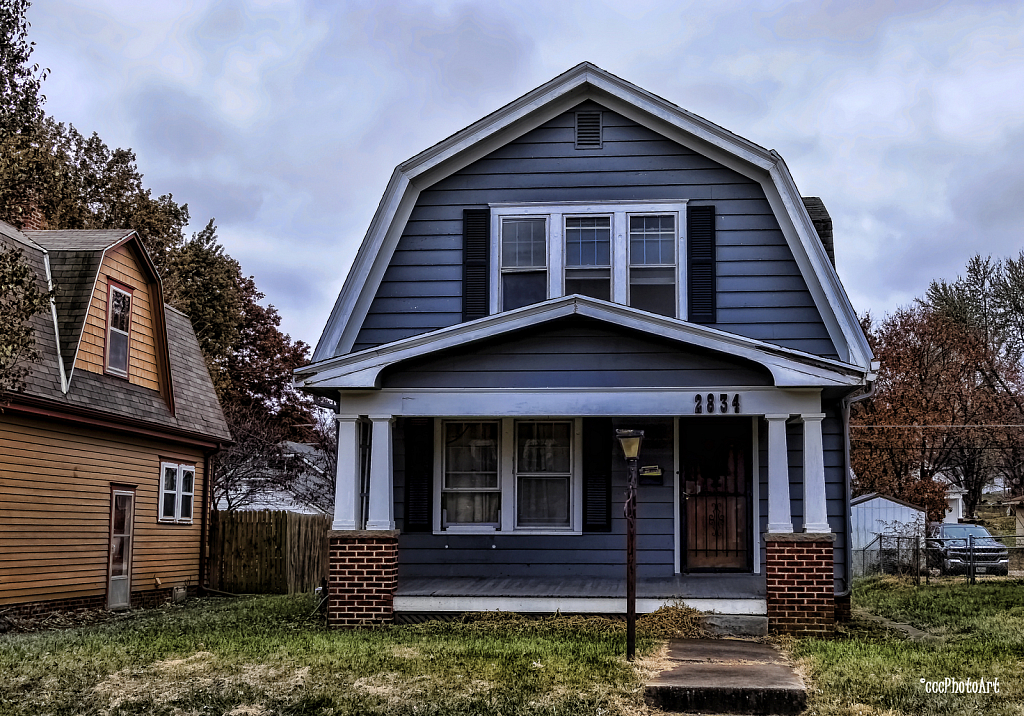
(173, 679)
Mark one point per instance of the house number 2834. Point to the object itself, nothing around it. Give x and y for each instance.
(716, 403)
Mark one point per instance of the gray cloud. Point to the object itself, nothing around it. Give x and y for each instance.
(285, 120)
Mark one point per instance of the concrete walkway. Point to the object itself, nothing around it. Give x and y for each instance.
(726, 676)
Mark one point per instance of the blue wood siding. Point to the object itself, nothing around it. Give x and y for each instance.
(760, 291)
(587, 555)
(602, 357)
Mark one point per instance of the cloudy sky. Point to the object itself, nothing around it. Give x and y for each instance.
(284, 120)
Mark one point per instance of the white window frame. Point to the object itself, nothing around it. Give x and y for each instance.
(508, 478)
(112, 369)
(620, 211)
(180, 470)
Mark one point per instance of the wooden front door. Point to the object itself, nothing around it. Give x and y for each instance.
(122, 521)
(715, 480)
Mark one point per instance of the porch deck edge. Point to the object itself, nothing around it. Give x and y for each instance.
(571, 605)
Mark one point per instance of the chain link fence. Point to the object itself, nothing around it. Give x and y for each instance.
(969, 556)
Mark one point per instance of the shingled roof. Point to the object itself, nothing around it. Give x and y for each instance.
(74, 259)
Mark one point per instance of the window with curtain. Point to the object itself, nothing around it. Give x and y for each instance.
(543, 467)
(471, 492)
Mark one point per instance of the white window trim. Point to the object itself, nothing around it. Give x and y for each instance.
(181, 469)
(619, 211)
(507, 479)
(114, 370)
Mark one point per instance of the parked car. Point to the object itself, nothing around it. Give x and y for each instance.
(949, 550)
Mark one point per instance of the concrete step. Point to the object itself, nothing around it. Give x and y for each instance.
(726, 676)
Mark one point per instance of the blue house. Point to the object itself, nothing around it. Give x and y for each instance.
(587, 258)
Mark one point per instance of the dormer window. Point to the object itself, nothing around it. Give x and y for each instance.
(119, 317)
(588, 256)
(524, 276)
(623, 252)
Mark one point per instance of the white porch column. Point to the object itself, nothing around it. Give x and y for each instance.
(346, 481)
(815, 512)
(381, 513)
(780, 517)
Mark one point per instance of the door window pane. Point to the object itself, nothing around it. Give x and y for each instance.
(118, 556)
(122, 503)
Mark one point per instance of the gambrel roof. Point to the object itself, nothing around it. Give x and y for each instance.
(583, 82)
(70, 260)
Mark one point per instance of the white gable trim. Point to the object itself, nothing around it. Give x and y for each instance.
(789, 368)
(587, 81)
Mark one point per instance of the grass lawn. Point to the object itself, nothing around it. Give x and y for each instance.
(266, 655)
(871, 670)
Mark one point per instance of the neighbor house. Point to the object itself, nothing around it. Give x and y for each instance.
(587, 258)
(104, 457)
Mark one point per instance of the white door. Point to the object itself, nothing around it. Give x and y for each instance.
(122, 519)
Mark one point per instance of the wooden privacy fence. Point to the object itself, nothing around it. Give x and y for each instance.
(264, 552)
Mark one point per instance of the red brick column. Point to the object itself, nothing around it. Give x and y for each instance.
(363, 577)
(800, 589)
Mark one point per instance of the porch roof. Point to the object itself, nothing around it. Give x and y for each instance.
(789, 368)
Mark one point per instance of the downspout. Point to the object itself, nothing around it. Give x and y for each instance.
(846, 403)
(204, 530)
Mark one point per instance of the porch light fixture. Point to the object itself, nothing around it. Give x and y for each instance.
(630, 441)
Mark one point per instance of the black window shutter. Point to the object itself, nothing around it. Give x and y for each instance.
(597, 474)
(419, 474)
(700, 242)
(476, 229)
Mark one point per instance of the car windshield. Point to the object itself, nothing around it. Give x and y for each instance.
(963, 531)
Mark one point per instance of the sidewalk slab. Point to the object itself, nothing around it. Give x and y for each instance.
(727, 676)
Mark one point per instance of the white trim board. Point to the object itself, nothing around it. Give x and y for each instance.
(574, 605)
(569, 403)
(587, 81)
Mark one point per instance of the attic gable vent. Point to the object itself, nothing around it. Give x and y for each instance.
(588, 130)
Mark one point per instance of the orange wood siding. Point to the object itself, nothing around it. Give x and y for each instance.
(121, 265)
(55, 511)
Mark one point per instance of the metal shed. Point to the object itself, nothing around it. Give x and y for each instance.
(873, 514)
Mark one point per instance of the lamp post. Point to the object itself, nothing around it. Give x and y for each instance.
(630, 441)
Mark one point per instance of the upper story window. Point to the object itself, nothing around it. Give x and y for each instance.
(588, 256)
(652, 263)
(119, 318)
(524, 275)
(626, 253)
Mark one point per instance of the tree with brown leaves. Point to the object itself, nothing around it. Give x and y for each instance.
(935, 417)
